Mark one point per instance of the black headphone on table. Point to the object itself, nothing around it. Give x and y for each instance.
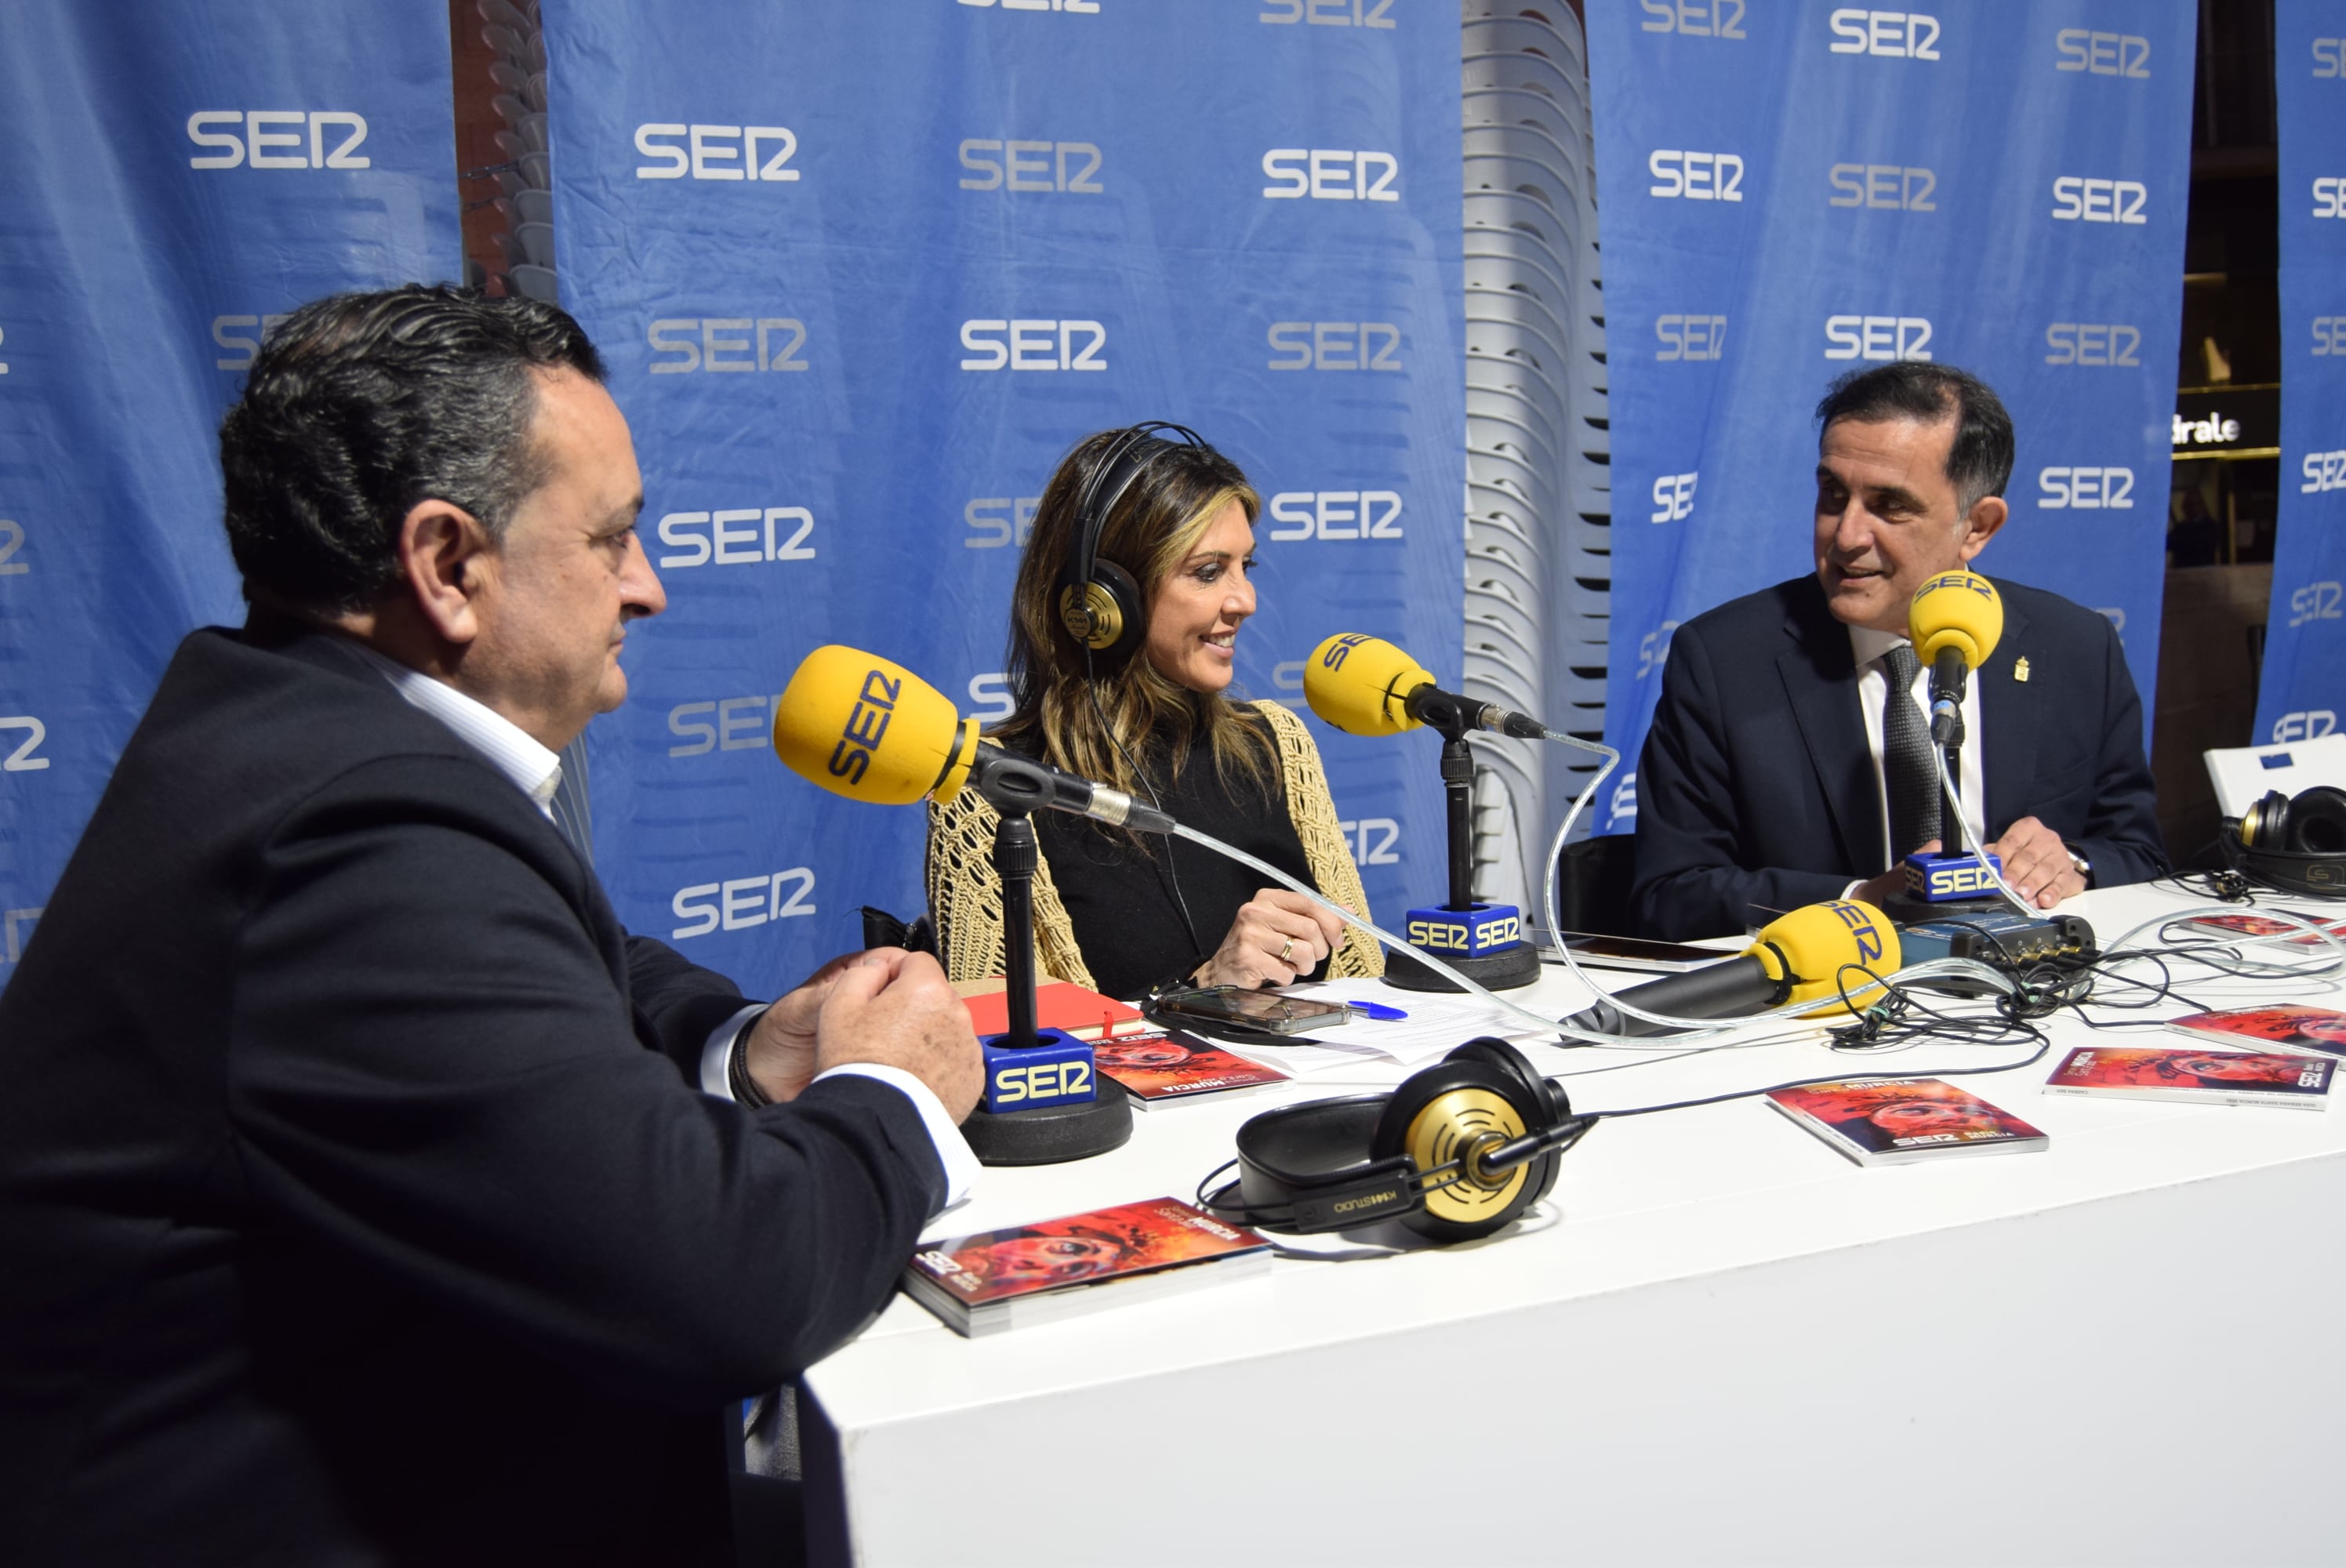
(1099, 604)
(1460, 1149)
(2296, 843)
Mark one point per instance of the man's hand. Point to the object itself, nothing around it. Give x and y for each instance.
(2038, 864)
(1277, 936)
(885, 1006)
(1890, 884)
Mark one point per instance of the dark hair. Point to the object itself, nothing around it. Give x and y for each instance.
(361, 405)
(1979, 463)
(1170, 502)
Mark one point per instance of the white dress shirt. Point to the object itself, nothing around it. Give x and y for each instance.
(537, 772)
(1872, 694)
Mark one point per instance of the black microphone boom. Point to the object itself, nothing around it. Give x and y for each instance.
(1452, 714)
(1740, 985)
(1949, 676)
(1011, 782)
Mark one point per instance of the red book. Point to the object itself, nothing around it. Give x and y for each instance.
(1027, 1273)
(1161, 1066)
(2267, 1028)
(2207, 1077)
(1058, 1004)
(1895, 1121)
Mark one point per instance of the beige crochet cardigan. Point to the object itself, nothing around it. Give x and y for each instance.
(966, 897)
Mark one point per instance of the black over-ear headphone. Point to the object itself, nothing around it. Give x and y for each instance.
(1099, 604)
(2296, 843)
(1461, 1148)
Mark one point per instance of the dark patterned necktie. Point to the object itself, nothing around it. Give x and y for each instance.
(1908, 774)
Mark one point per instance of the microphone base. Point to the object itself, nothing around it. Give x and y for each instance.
(1055, 1134)
(1505, 969)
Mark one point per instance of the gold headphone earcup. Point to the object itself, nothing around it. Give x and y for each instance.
(1444, 1130)
(1091, 615)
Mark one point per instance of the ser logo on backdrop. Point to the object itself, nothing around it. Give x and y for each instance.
(1877, 337)
(1674, 497)
(1335, 514)
(1033, 345)
(22, 757)
(717, 345)
(2323, 471)
(2077, 199)
(2081, 489)
(1333, 13)
(996, 522)
(2330, 196)
(738, 902)
(1693, 18)
(679, 152)
(1690, 336)
(743, 536)
(1335, 346)
(2101, 54)
(2306, 724)
(12, 544)
(1330, 174)
(1885, 186)
(2329, 336)
(1897, 35)
(2091, 343)
(2330, 57)
(1040, 166)
(1371, 840)
(278, 138)
(726, 724)
(2316, 601)
(241, 335)
(1694, 176)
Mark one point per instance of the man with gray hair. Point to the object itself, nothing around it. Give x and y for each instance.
(1783, 766)
(367, 1194)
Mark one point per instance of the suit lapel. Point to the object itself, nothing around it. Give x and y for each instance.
(1819, 672)
(2010, 713)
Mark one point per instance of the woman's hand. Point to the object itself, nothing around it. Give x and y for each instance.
(1278, 936)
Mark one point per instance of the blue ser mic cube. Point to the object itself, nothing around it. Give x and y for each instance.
(1473, 933)
(1945, 878)
(1056, 1070)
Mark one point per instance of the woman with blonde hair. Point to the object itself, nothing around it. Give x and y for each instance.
(1129, 599)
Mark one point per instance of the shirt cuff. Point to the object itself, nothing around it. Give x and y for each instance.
(716, 1056)
(952, 1150)
(1847, 893)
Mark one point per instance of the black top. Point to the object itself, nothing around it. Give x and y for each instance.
(358, 1203)
(1120, 897)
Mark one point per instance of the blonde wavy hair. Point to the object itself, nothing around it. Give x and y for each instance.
(1157, 523)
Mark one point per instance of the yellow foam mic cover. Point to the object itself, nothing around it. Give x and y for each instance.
(1358, 683)
(1959, 610)
(867, 728)
(1817, 942)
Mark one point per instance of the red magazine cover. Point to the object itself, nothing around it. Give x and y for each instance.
(2224, 1077)
(2320, 1028)
(1080, 1249)
(2264, 925)
(1171, 1065)
(1891, 1120)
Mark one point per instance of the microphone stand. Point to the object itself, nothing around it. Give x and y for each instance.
(1046, 1099)
(1482, 942)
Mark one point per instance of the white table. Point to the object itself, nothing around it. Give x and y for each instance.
(1718, 1341)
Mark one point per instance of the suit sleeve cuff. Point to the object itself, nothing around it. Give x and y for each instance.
(717, 1055)
(953, 1154)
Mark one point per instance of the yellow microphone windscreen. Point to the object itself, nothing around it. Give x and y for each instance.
(1959, 610)
(867, 728)
(1358, 683)
(1820, 940)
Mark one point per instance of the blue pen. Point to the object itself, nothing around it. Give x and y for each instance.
(1377, 1011)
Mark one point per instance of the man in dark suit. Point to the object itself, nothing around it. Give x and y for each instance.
(367, 1194)
(1782, 767)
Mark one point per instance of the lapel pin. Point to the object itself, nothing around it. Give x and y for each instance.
(2020, 670)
